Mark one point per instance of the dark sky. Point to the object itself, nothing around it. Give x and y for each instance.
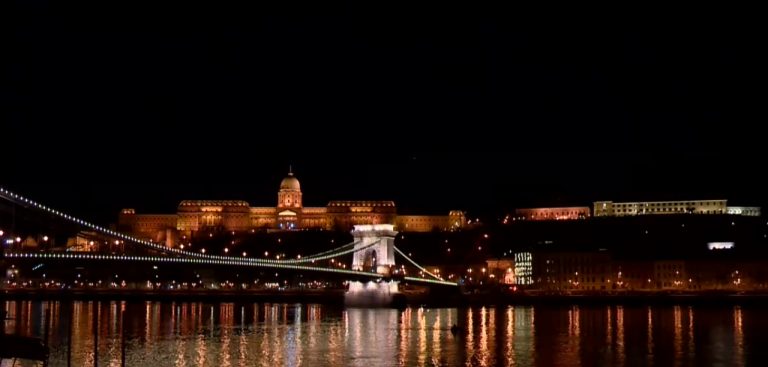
(436, 106)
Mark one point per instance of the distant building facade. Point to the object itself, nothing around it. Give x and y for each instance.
(425, 223)
(501, 269)
(612, 209)
(567, 213)
(290, 214)
(573, 271)
(748, 211)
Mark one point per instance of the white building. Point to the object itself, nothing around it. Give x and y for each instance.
(611, 209)
(749, 211)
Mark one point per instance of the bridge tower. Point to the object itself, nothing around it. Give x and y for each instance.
(377, 248)
(375, 252)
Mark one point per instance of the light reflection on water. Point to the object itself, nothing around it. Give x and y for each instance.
(248, 334)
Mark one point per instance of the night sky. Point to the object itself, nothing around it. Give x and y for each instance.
(437, 107)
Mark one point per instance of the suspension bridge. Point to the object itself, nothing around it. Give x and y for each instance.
(373, 251)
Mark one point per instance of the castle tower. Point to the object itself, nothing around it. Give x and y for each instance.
(289, 202)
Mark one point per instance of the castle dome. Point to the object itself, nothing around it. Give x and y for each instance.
(290, 183)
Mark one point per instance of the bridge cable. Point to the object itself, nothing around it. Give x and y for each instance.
(18, 199)
(415, 264)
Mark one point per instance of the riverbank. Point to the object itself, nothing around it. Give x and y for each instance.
(452, 298)
(335, 296)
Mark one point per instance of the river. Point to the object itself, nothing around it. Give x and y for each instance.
(263, 334)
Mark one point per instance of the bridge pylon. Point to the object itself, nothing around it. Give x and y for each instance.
(377, 248)
(375, 252)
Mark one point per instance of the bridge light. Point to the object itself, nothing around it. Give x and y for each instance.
(1, 232)
(18, 239)
(203, 250)
(226, 250)
(245, 254)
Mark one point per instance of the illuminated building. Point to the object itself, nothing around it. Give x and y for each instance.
(290, 214)
(502, 269)
(748, 211)
(523, 272)
(720, 245)
(611, 209)
(425, 223)
(568, 213)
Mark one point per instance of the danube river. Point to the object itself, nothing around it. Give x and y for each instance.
(263, 334)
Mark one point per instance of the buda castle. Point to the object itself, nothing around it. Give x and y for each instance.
(194, 216)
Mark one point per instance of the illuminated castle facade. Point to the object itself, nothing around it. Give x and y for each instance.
(290, 214)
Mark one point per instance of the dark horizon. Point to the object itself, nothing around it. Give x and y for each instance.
(124, 105)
